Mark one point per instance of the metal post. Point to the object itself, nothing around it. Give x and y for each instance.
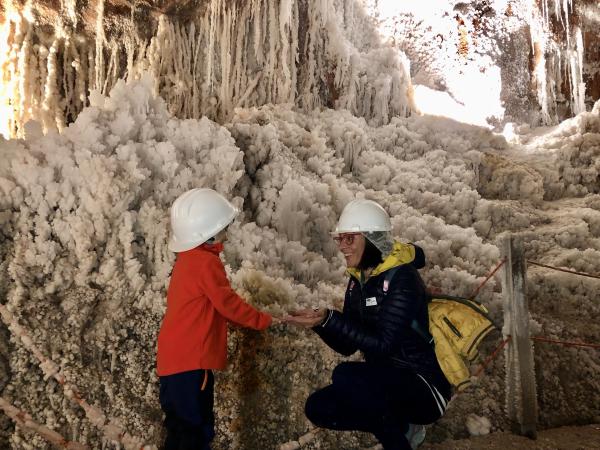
(521, 402)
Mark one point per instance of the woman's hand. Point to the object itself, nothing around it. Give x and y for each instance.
(307, 318)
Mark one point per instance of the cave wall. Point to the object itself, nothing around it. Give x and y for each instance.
(207, 58)
(532, 47)
(58, 57)
(210, 57)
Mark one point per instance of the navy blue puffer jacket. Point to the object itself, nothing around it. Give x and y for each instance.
(376, 318)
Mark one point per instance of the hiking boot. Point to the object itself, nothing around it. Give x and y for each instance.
(415, 435)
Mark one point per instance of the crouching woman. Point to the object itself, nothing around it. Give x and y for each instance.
(399, 387)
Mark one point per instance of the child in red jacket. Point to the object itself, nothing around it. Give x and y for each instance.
(200, 302)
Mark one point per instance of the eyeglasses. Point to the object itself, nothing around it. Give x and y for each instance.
(346, 238)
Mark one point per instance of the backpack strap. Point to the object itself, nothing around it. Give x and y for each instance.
(415, 325)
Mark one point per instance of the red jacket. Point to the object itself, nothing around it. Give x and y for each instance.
(200, 302)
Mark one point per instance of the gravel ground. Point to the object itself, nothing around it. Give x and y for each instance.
(564, 438)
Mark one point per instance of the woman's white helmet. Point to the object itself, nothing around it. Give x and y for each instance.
(363, 215)
(198, 215)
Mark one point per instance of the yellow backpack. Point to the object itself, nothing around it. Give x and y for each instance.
(456, 328)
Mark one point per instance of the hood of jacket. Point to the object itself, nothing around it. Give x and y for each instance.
(401, 254)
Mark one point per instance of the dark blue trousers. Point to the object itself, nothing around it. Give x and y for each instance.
(381, 400)
(187, 400)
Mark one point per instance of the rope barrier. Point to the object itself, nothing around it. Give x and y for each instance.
(565, 343)
(24, 420)
(491, 274)
(583, 274)
(492, 355)
(434, 290)
(111, 429)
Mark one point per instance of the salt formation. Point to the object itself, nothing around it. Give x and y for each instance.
(83, 210)
(311, 54)
(478, 426)
(85, 263)
(473, 51)
(308, 53)
(92, 199)
(555, 62)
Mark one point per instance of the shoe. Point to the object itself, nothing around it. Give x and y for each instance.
(415, 435)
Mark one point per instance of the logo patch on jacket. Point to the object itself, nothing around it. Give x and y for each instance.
(371, 301)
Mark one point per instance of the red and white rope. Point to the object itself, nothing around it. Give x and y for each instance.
(24, 420)
(111, 430)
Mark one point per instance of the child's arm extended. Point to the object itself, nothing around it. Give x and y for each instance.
(227, 302)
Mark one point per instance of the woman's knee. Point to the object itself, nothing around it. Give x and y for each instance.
(317, 408)
(312, 408)
(348, 373)
(343, 371)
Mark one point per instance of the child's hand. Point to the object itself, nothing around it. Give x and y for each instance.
(308, 312)
(276, 320)
(307, 317)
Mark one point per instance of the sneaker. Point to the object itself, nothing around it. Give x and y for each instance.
(415, 435)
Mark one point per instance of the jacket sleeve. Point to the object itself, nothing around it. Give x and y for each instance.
(332, 339)
(226, 301)
(400, 307)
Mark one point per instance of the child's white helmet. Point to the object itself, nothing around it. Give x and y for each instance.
(196, 216)
(363, 215)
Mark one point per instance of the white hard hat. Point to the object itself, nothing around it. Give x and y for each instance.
(363, 215)
(196, 216)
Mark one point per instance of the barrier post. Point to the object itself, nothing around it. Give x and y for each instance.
(521, 402)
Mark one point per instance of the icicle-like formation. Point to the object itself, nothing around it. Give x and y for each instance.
(98, 81)
(545, 12)
(237, 53)
(10, 68)
(553, 58)
(576, 66)
(44, 77)
(565, 7)
(538, 30)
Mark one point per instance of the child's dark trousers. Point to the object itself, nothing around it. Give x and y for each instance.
(187, 399)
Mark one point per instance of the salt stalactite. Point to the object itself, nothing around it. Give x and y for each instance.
(566, 4)
(572, 53)
(9, 68)
(553, 58)
(245, 53)
(24, 67)
(100, 40)
(52, 113)
(41, 74)
(285, 16)
(576, 66)
(539, 43)
(554, 72)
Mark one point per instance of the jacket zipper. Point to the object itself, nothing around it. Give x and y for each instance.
(362, 297)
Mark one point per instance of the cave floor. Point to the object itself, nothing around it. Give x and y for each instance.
(564, 438)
